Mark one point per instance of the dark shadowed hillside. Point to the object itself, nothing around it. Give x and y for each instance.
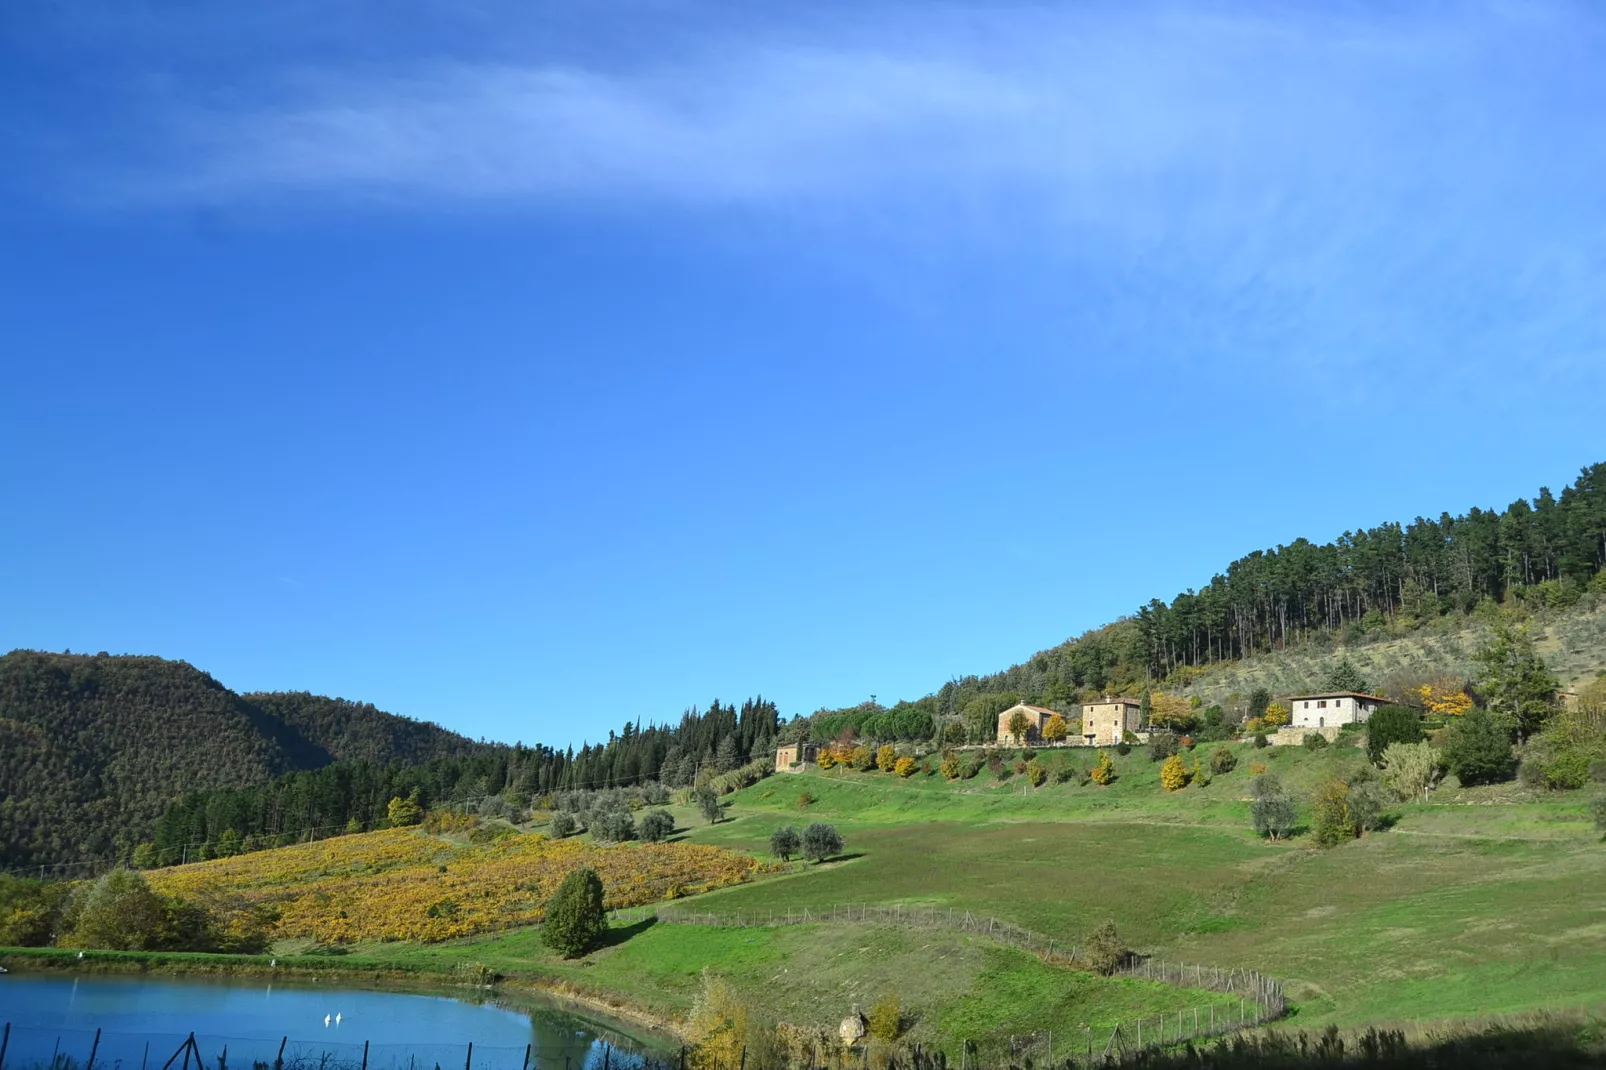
(359, 731)
(93, 748)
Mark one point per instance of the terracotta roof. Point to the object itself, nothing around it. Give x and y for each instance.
(1338, 694)
(1114, 701)
(1034, 709)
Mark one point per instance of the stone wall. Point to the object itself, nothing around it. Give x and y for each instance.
(1294, 735)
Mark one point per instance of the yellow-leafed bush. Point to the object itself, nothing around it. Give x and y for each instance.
(1174, 773)
(1103, 770)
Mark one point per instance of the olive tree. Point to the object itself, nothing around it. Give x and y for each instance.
(708, 804)
(656, 826)
(785, 842)
(821, 841)
(1411, 769)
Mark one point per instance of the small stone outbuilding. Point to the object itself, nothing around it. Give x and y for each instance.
(795, 757)
(1036, 720)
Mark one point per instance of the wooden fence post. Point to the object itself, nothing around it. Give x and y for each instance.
(468, 1062)
(93, 1048)
(5, 1042)
(365, 1055)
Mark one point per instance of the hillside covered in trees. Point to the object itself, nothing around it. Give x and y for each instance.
(99, 754)
(94, 748)
(1542, 555)
(499, 781)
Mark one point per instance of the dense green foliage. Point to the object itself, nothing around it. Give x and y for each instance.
(656, 826)
(1514, 681)
(119, 911)
(1477, 749)
(821, 841)
(1391, 724)
(575, 918)
(359, 793)
(785, 842)
(93, 748)
(30, 910)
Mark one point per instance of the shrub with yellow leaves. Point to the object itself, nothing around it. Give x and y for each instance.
(1443, 698)
(1103, 770)
(1174, 773)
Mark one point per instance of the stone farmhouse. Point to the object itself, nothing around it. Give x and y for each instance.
(1332, 708)
(795, 757)
(1106, 722)
(1036, 718)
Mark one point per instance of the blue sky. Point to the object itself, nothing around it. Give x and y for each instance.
(529, 372)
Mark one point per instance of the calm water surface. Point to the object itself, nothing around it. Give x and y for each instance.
(143, 1022)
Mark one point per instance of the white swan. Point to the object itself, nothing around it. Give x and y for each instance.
(326, 1020)
(337, 1017)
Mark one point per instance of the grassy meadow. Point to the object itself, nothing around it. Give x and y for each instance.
(1483, 901)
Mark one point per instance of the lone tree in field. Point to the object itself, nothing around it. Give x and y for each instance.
(821, 841)
(785, 842)
(562, 824)
(1330, 813)
(1105, 951)
(1270, 809)
(708, 803)
(575, 919)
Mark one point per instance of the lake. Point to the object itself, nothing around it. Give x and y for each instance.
(144, 1022)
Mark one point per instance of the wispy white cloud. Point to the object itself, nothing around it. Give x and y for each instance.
(1331, 189)
(1146, 109)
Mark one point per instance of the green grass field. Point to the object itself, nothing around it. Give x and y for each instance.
(1485, 900)
(955, 986)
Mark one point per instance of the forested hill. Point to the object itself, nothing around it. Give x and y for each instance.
(94, 748)
(1542, 554)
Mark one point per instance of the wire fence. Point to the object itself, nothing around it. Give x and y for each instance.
(1248, 984)
(1258, 997)
(34, 1048)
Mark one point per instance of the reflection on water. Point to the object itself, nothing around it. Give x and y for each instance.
(145, 1023)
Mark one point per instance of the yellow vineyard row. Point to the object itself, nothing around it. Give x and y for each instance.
(403, 884)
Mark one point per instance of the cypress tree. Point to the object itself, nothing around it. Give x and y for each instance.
(575, 919)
